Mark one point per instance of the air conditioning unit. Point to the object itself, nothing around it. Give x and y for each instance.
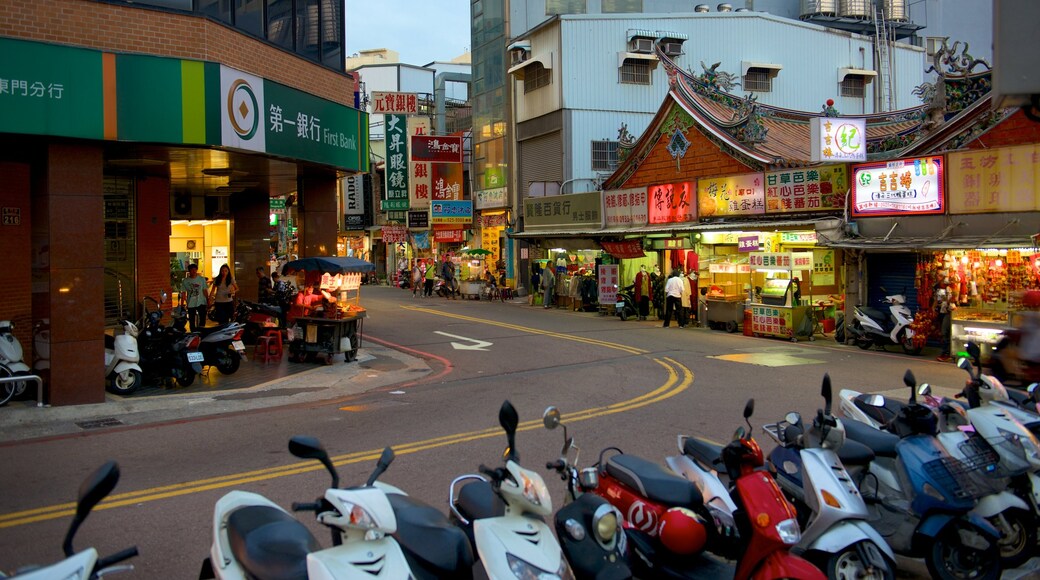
(641, 45)
(672, 48)
(181, 207)
(518, 55)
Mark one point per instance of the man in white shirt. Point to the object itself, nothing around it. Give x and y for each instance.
(673, 290)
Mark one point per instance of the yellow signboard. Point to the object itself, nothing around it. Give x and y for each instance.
(1003, 179)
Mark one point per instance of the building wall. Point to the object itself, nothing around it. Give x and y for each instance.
(1015, 130)
(703, 159)
(16, 241)
(153, 237)
(116, 28)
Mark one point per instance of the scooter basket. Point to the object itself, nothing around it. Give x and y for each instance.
(959, 478)
(981, 456)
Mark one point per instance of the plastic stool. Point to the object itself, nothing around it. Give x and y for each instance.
(263, 348)
(506, 294)
(274, 344)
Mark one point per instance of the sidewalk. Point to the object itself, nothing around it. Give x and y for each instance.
(377, 366)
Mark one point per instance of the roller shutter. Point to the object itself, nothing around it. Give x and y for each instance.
(541, 159)
(895, 272)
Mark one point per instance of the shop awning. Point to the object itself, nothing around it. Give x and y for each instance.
(821, 223)
(545, 59)
(926, 244)
(625, 249)
(868, 75)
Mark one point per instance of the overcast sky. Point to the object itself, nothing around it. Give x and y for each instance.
(422, 31)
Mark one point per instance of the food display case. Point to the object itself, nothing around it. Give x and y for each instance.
(984, 326)
(726, 299)
(778, 310)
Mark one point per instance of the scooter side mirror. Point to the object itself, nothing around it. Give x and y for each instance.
(911, 381)
(749, 408)
(385, 459)
(310, 448)
(825, 392)
(551, 418)
(973, 350)
(93, 489)
(1031, 389)
(964, 363)
(924, 390)
(163, 297)
(509, 420)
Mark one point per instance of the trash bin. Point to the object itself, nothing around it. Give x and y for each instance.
(747, 323)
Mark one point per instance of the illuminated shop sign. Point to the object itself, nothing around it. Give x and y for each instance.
(900, 187)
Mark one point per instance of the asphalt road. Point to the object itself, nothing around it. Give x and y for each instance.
(636, 385)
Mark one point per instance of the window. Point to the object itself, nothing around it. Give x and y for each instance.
(249, 16)
(279, 23)
(553, 7)
(635, 71)
(758, 80)
(932, 44)
(853, 86)
(536, 76)
(219, 9)
(616, 6)
(604, 155)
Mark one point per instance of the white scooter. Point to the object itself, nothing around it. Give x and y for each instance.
(86, 564)
(255, 538)
(11, 363)
(836, 536)
(874, 327)
(122, 368)
(510, 542)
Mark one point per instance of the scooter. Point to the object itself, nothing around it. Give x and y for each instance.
(86, 564)
(168, 351)
(922, 500)
(588, 526)
(510, 538)
(222, 347)
(11, 363)
(255, 538)
(759, 523)
(122, 370)
(257, 319)
(872, 327)
(836, 535)
(626, 303)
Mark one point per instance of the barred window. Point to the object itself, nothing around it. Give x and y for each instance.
(536, 76)
(634, 71)
(616, 6)
(604, 155)
(853, 86)
(758, 80)
(553, 7)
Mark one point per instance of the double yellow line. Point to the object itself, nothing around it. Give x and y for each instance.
(679, 379)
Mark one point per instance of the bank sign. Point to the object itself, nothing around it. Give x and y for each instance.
(74, 92)
(901, 187)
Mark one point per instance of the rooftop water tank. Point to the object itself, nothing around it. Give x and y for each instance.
(724, 8)
(854, 8)
(896, 10)
(702, 8)
(819, 7)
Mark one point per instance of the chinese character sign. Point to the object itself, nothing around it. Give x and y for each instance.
(607, 280)
(446, 181)
(835, 139)
(490, 198)
(489, 240)
(575, 209)
(671, 203)
(804, 190)
(734, 195)
(772, 321)
(395, 103)
(1002, 179)
(395, 234)
(396, 163)
(625, 208)
(437, 148)
(747, 243)
(451, 212)
(904, 186)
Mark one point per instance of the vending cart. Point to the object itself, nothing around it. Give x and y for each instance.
(338, 326)
(778, 309)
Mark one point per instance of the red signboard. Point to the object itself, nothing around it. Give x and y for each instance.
(625, 249)
(446, 182)
(437, 148)
(395, 234)
(448, 236)
(671, 203)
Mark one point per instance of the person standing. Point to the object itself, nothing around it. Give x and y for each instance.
(686, 301)
(222, 294)
(643, 291)
(193, 296)
(431, 272)
(548, 286)
(264, 289)
(448, 273)
(417, 277)
(280, 297)
(944, 309)
(673, 289)
(657, 282)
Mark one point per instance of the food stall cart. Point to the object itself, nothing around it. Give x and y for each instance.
(778, 310)
(726, 298)
(339, 327)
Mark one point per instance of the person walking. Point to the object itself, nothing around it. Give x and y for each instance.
(222, 293)
(548, 286)
(430, 273)
(673, 290)
(264, 288)
(417, 277)
(448, 274)
(193, 296)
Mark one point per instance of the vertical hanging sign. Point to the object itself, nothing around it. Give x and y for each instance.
(396, 164)
(419, 182)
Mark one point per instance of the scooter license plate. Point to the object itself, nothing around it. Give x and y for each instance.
(195, 357)
(620, 304)
(238, 345)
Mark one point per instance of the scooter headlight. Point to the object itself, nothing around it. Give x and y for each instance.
(789, 532)
(527, 571)
(359, 518)
(574, 529)
(532, 489)
(605, 523)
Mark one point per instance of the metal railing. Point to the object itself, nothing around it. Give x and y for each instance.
(34, 378)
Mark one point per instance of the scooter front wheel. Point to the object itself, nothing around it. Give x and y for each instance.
(907, 342)
(849, 563)
(187, 378)
(950, 559)
(228, 362)
(126, 382)
(6, 389)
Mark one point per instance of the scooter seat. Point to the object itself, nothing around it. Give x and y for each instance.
(705, 452)
(855, 453)
(204, 332)
(110, 342)
(269, 543)
(882, 415)
(478, 501)
(875, 314)
(426, 534)
(882, 443)
(653, 481)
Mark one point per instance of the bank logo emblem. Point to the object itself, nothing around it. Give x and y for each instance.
(242, 109)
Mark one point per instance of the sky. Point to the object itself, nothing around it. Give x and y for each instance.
(422, 31)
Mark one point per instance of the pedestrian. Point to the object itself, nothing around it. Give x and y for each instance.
(193, 296)
(431, 273)
(222, 295)
(265, 287)
(417, 277)
(686, 301)
(548, 285)
(448, 273)
(673, 290)
(281, 294)
(536, 279)
(944, 310)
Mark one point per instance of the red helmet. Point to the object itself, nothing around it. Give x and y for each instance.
(682, 531)
(1031, 299)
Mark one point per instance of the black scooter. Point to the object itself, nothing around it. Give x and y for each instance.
(626, 302)
(168, 351)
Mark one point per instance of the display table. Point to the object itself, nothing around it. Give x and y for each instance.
(471, 289)
(725, 313)
(326, 337)
(781, 321)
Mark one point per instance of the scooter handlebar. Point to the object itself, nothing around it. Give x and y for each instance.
(306, 507)
(558, 465)
(117, 558)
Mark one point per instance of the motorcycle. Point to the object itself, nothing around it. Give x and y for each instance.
(588, 526)
(756, 523)
(836, 535)
(122, 370)
(626, 303)
(168, 351)
(11, 364)
(922, 500)
(86, 564)
(255, 538)
(872, 327)
(222, 347)
(501, 515)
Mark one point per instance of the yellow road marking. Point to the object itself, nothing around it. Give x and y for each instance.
(529, 330)
(679, 379)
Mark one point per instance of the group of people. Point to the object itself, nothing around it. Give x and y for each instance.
(679, 292)
(424, 273)
(196, 297)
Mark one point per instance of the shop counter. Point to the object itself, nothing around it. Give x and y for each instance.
(323, 338)
(787, 322)
(724, 312)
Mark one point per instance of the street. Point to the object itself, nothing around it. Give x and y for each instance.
(629, 384)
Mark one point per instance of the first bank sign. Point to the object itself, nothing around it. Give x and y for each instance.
(242, 110)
